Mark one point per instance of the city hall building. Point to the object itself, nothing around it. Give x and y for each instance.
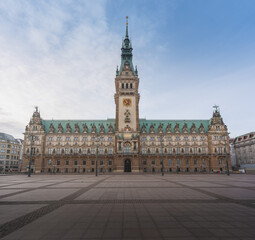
(126, 143)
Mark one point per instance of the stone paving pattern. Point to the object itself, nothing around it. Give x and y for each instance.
(126, 207)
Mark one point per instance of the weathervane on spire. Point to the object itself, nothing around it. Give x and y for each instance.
(216, 107)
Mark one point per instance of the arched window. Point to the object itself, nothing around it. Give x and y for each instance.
(127, 147)
(131, 85)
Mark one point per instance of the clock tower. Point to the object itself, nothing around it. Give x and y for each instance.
(127, 101)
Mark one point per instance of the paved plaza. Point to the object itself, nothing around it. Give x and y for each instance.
(133, 207)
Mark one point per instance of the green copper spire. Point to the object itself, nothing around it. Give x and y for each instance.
(126, 52)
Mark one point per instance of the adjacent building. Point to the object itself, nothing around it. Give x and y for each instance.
(126, 143)
(10, 153)
(244, 147)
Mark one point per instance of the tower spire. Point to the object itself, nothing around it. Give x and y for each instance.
(126, 52)
(126, 26)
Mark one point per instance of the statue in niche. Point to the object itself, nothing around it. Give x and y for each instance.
(152, 128)
(168, 128)
(127, 116)
(185, 128)
(85, 128)
(193, 128)
(110, 129)
(76, 128)
(93, 128)
(68, 128)
(201, 128)
(60, 128)
(160, 128)
(52, 129)
(143, 129)
(177, 128)
(102, 129)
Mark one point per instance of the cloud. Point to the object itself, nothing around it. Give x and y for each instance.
(60, 57)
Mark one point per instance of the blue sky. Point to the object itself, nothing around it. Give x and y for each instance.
(62, 56)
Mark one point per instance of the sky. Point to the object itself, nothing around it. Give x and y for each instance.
(62, 56)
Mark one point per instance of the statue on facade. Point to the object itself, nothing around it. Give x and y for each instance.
(68, 128)
(76, 128)
(85, 128)
(102, 129)
(60, 128)
(51, 129)
(168, 128)
(177, 128)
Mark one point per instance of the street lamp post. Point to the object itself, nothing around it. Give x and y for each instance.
(30, 157)
(162, 156)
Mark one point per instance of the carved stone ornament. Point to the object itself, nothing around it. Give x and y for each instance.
(185, 128)
(51, 129)
(177, 128)
(26, 128)
(93, 128)
(193, 128)
(127, 116)
(168, 128)
(76, 128)
(160, 128)
(110, 129)
(143, 129)
(102, 129)
(68, 128)
(201, 128)
(85, 128)
(152, 129)
(60, 128)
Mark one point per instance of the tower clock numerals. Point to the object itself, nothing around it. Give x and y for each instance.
(127, 102)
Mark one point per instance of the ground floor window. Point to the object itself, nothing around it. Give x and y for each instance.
(92, 169)
(170, 169)
(144, 170)
(195, 170)
(84, 169)
(109, 169)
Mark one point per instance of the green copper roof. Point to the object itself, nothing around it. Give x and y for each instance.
(89, 123)
(126, 54)
(156, 123)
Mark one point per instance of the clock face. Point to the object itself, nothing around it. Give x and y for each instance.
(127, 102)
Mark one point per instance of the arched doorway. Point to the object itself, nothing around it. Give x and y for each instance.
(127, 165)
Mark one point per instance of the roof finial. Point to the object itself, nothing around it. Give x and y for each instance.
(216, 107)
(126, 26)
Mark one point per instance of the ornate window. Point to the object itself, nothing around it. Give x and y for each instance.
(144, 161)
(84, 139)
(76, 150)
(58, 139)
(110, 162)
(101, 151)
(152, 150)
(76, 139)
(58, 150)
(50, 151)
(67, 150)
(203, 150)
(186, 139)
(144, 150)
(84, 162)
(110, 150)
(110, 139)
(93, 150)
(84, 151)
(67, 138)
(187, 161)
(170, 162)
(127, 147)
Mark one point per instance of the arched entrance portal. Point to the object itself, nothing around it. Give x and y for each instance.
(127, 165)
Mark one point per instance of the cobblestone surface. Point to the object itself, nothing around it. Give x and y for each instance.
(127, 207)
